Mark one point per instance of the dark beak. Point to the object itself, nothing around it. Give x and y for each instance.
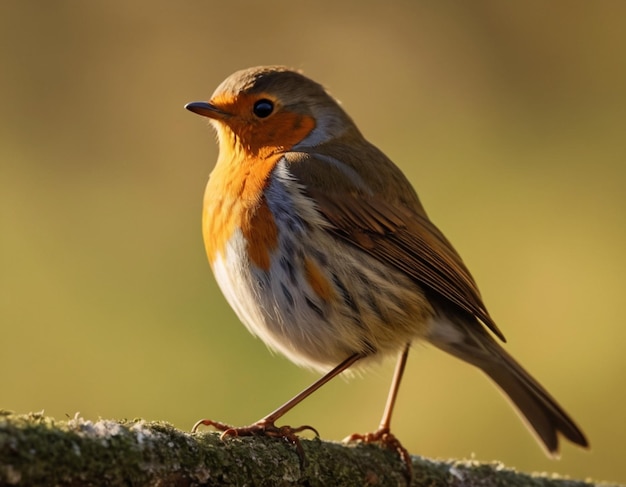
(206, 109)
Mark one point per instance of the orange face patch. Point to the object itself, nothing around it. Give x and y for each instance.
(263, 136)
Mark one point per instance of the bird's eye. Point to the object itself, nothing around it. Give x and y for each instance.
(263, 108)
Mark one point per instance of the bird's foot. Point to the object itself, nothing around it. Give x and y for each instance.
(387, 439)
(261, 428)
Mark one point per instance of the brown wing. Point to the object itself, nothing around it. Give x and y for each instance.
(406, 240)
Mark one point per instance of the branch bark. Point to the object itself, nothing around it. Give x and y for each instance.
(38, 450)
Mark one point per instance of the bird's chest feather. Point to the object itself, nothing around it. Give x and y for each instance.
(235, 206)
(265, 259)
(256, 218)
(293, 285)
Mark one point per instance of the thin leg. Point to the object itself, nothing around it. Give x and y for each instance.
(383, 435)
(266, 427)
(281, 411)
(385, 422)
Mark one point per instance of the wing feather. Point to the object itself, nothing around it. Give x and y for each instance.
(407, 241)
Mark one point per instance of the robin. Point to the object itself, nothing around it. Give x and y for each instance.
(324, 251)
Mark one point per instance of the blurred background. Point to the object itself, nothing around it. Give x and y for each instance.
(509, 119)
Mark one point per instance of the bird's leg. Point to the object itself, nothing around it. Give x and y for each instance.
(383, 434)
(266, 426)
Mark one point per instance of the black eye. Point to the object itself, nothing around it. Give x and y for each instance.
(263, 108)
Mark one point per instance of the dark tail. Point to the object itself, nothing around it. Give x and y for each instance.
(537, 406)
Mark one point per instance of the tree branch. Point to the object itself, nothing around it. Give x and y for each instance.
(37, 450)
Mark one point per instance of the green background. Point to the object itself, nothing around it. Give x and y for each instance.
(508, 117)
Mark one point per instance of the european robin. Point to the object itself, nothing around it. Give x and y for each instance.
(324, 251)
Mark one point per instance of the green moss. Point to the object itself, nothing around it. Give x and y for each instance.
(37, 450)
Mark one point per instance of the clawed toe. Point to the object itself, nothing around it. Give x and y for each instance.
(216, 424)
(261, 428)
(387, 439)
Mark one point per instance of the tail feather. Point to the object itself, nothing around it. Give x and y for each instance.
(540, 410)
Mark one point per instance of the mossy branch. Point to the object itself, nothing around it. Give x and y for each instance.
(37, 450)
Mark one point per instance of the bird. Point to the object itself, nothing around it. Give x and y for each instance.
(323, 249)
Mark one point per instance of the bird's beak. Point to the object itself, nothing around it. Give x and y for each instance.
(206, 110)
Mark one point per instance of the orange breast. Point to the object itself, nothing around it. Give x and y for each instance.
(234, 201)
(234, 197)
